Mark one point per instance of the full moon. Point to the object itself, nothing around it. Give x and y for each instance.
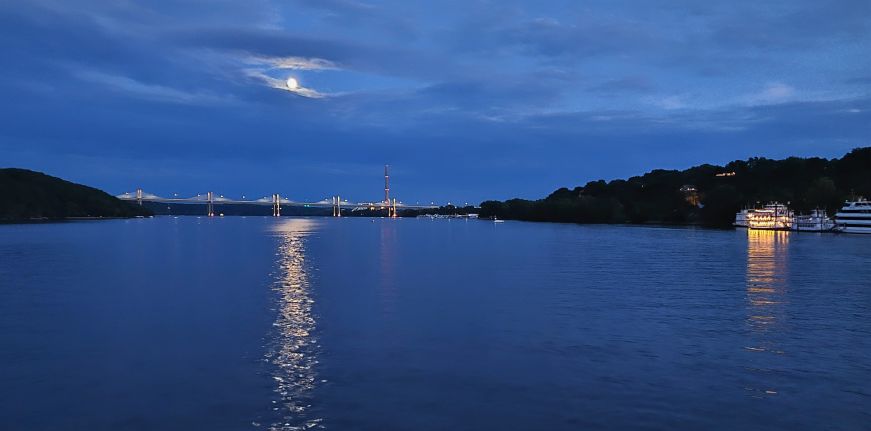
(292, 84)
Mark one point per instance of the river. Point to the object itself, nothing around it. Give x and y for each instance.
(239, 323)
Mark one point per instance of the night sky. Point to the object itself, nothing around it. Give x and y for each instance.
(466, 100)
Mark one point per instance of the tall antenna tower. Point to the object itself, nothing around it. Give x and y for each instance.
(386, 186)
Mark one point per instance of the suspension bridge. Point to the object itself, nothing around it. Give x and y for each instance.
(276, 201)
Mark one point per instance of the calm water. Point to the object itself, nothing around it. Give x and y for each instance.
(353, 324)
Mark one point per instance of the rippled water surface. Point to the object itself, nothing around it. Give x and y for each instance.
(359, 324)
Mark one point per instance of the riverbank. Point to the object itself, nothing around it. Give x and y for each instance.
(66, 219)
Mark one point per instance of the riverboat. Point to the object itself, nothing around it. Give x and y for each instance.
(816, 221)
(774, 216)
(854, 217)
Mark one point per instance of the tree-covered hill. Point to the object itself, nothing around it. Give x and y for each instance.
(705, 194)
(26, 195)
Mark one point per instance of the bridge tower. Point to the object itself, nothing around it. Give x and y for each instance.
(210, 209)
(139, 196)
(386, 186)
(276, 205)
(337, 206)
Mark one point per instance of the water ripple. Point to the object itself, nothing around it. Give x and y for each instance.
(294, 351)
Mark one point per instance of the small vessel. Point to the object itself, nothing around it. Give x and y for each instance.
(854, 217)
(741, 217)
(816, 221)
(774, 216)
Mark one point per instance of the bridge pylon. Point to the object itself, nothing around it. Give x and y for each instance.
(337, 206)
(210, 208)
(139, 196)
(276, 205)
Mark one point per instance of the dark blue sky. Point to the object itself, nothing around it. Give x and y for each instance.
(466, 100)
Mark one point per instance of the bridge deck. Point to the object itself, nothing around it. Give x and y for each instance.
(321, 204)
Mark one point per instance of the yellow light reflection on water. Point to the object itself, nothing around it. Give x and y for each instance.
(295, 350)
(766, 288)
(766, 269)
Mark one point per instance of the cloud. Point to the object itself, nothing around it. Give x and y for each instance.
(153, 92)
(262, 65)
(629, 84)
(797, 25)
(344, 14)
(772, 93)
(670, 102)
(345, 7)
(282, 85)
(498, 92)
(349, 53)
(294, 63)
(571, 38)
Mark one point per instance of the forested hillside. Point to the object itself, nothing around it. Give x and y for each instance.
(705, 194)
(26, 195)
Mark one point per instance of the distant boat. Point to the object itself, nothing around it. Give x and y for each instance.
(774, 216)
(741, 217)
(816, 221)
(854, 217)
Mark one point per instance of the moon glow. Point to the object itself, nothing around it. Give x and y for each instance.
(292, 84)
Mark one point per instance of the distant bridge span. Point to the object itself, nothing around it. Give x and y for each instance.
(275, 201)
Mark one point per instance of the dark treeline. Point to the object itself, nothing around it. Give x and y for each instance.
(27, 195)
(442, 210)
(705, 194)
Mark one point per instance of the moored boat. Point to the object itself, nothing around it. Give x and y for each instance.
(854, 217)
(774, 216)
(741, 217)
(816, 221)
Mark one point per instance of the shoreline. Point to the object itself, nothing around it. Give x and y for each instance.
(72, 219)
(40, 220)
(636, 225)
